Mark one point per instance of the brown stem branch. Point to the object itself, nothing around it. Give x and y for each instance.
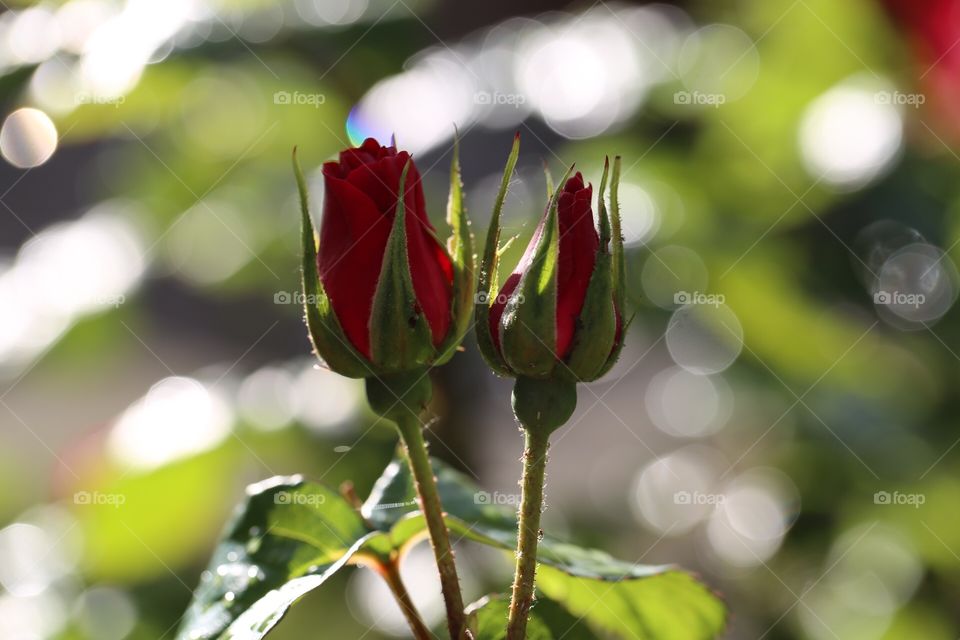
(391, 573)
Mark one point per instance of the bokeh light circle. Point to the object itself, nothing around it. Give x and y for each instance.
(670, 271)
(719, 60)
(640, 217)
(674, 493)
(917, 284)
(848, 137)
(28, 138)
(874, 245)
(686, 405)
(759, 507)
(704, 338)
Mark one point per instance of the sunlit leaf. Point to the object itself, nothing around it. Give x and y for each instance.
(629, 600)
(490, 619)
(288, 539)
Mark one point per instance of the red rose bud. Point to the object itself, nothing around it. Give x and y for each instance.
(383, 295)
(558, 315)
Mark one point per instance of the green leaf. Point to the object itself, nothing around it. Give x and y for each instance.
(291, 536)
(489, 618)
(487, 286)
(287, 539)
(400, 337)
(630, 600)
(329, 341)
(562, 623)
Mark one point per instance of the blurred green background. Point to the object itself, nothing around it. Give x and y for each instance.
(782, 420)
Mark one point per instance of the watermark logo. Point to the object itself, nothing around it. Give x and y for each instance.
(484, 297)
(112, 300)
(294, 297)
(301, 499)
(699, 98)
(96, 498)
(698, 297)
(90, 98)
(299, 98)
(899, 98)
(885, 498)
(698, 498)
(496, 98)
(496, 498)
(898, 298)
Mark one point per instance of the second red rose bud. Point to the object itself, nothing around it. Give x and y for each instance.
(559, 313)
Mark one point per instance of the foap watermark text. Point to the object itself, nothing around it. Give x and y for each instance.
(699, 98)
(899, 298)
(698, 297)
(97, 498)
(302, 499)
(299, 98)
(698, 498)
(896, 498)
(485, 497)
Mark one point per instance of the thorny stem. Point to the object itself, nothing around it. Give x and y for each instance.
(528, 534)
(426, 484)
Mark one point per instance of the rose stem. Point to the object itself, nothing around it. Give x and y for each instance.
(391, 573)
(528, 534)
(412, 435)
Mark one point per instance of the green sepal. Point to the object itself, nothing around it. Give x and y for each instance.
(543, 405)
(400, 337)
(602, 208)
(329, 341)
(548, 179)
(596, 330)
(460, 249)
(487, 285)
(619, 270)
(401, 395)
(528, 333)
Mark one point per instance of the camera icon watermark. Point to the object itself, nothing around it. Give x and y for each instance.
(294, 297)
(299, 98)
(699, 98)
(514, 100)
(698, 498)
(898, 298)
(90, 98)
(96, 498)
(698, 297)
(900, 98)
(886, 498)
(496, 498)
(483, 297)
(299, 499)
(112, 300)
